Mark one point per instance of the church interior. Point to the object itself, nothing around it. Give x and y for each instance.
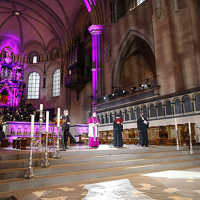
(118, 59)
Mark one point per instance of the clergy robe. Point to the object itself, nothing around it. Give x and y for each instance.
(93, 134)
(117, 132)
(142, 125)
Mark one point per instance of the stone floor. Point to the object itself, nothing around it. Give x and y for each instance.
(172, 184)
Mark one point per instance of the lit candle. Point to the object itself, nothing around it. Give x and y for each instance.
(32, 125)
(47, 121)
(58, 118)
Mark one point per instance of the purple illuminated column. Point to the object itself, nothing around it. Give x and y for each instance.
(90, 4)
(97, 61)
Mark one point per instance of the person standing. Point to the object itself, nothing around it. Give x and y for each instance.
(93, 130)
(142, 125)
(117, 132)
(2, 135)
(65, 129)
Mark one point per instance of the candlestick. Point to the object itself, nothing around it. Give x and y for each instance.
(56, 152)
(177, 140)
(47, 121)
(29, 171)
(32, 125)
(41, 120)
(45, 162)
(176, 127)
(58, 118)
(190, 133)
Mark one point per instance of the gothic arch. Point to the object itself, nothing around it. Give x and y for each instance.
(127, 42)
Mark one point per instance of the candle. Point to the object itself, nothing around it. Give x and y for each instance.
(176, 127)
(177, 139)
(58, 118)
(189, 125)
(47, 121)
(190, 133)
(32, 125)
(41, 111)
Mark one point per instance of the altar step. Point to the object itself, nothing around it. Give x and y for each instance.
(58, 167)
(18, 161)
(84, 166)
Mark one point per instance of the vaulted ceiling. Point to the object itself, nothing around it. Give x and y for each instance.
(39, 20)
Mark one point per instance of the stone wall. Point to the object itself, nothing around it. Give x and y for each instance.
(138, 22)
(171, 31)
(175, 41)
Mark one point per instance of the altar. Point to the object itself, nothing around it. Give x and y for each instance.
(18, 134)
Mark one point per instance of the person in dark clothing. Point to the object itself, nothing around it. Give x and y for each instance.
(142, 125)
(2, 134)
(65, 129)
(117, 132)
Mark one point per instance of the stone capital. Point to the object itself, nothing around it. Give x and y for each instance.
(96, 29)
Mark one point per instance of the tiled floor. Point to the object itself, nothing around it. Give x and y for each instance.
(126, 188)
(183, 184)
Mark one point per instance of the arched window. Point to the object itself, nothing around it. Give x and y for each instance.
(102, 119)
(126, 115)
(111, 118)
(178, 106)
(145, 111)
(121, 115)
(35, 59)
(138, 112)
(187, 104)
(133, 116)
(56, 83)
(140, 1)
(33, 85)
(152, 110)
(197, 102)
(160, 109)
(168, 108)
(106, 118)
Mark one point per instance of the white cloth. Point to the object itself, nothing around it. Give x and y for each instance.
(93, 130)
(145, 121)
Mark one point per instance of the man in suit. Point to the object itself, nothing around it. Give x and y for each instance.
(65, 129)
(142, 125)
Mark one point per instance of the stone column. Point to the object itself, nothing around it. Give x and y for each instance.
(97, 62)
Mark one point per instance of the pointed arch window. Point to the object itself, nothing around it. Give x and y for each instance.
(33, 85)
(56, 83)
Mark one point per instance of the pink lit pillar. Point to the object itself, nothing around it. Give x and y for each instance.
(97, 61)
(90, 4)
